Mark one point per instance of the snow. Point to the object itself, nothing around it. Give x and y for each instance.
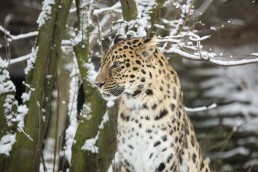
(185, 9)
(6, 144)
(248, 140)
(212, 28)
(231, 62)
(104, 120)
(26, 96)
(17, 37)
(92, 74)
(86, 111)
(46, 11)
(115, 8)
(199, 38)
(90, 144)
(72, 109)
(27, 135)
(86, 22)
(110, 104)
(115, 163)
(214, 105)
(24, 35)
(254, 54)
(20, 59)
(233, 152)
(21, 113)
(142, 21)
(6, 84)
(48, 154)
(31, 60)
(80, 36)
(7, 87)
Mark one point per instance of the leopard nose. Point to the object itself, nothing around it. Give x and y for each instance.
(99, 84)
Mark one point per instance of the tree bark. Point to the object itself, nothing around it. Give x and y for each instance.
(85, 160)
(129, 9)
(8, 108)
(41, 79)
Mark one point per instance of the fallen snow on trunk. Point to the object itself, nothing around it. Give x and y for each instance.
(6, 144)
(72, 109)
(46, 11)
(90, 144)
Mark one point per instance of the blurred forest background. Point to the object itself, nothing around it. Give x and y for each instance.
(228, 133)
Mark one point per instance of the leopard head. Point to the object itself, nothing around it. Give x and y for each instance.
(127, 67)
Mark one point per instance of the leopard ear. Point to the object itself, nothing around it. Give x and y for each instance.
(148, 48)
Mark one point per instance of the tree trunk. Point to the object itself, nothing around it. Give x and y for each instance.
(41, 80)
(94, 108)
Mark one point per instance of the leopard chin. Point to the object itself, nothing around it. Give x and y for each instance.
(114, 93)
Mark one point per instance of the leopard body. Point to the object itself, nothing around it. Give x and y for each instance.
(154, 132)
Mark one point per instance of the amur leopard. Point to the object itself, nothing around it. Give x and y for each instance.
(154, 132)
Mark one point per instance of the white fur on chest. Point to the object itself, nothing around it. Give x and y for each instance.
(138, 146)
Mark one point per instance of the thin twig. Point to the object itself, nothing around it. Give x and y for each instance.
(19, 59)
(202, 108)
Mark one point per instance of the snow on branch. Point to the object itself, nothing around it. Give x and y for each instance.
(18, 37)
(139, 26)
(85, 10)
(185, 10)
(188, 45)
(31, 60)
(225, 61)
(20, 59)
(203, 108)
(46, 10)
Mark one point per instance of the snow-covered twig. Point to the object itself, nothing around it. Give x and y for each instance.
(199, 54)
(72, 109)
(223, 61)
(20, 59)
(186, 11)
(24, 36)
(27, 135)
(203, 108)
(18, 37)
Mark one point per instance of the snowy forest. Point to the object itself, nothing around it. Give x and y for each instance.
(52, 117)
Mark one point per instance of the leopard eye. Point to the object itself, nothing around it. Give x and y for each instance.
(116, 64)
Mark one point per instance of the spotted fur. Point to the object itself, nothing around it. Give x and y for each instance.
(154, 132)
